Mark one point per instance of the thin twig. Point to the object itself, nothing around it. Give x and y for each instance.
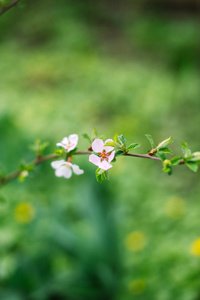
(142, 156)
(41, 159)
(7, 7)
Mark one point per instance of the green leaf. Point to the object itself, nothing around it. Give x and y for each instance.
(118, 153)
(101, 175)
(133, 146)
(165, 143)
(161, 155)
(167, 166)
(39, 147)
(195, 157)
(110, 144)
(192, 166)
(186, 151)
(30, 167)
(115, 138)
(122, 139)
(167, 169)
(23, 175)
(166, 150)
(86, 136)
(94, 134)
(176, 160)
(59, 151)
(43, 146)
(151, 141)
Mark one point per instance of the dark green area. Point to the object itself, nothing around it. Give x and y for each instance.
(131, 67)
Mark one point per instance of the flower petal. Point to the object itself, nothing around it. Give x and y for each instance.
(111, 156)
(67, 172)
(94, 159)
(73, 139)
(77, 170)
(108, 148)
(60, 171)
(72, 146)
(65, 141)
(108, 140)
(97, 145)
(57, 163)
(60, 145)
(105, 165)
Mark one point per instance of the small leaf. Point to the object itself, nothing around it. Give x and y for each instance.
(192, 166)
(23, 175)
(151, 141)
(195, 157)
(133, 146)
(166, 150)
(59, 151)
(122, 139)
(176, 160)
(86, 136)
(43, 146)
(112, 144)
(186, 151)
(101, 175)
(161, 155)
(118, 153)
(115, 138)
(168, 170)
(165, 143)
(94, 134)
(167, 166)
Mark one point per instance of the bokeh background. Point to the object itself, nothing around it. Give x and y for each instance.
(127, 66)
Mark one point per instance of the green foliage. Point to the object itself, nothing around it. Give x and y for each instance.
(39, 147)
(132, 146)
(176, 160)
(164, 143)
(66, 76)
(86, 136)
(101, 175)
(151, 141)
(192, 166)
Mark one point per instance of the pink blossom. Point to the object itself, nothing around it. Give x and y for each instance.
(105, 154)
(69, 143)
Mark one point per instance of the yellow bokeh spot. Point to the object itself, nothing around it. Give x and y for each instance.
(195, 248)
(137, 286)
(24, 213)
(135, 241)
(175, 208)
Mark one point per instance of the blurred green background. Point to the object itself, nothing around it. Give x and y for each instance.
(127, 66)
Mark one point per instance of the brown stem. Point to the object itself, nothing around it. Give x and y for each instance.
(142, 156)
(7, 7)
(41, 159)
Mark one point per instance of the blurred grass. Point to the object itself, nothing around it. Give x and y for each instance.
(65, 69)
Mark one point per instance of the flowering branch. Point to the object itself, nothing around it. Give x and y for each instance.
(39, 160)
(4, 8)
(102, 154)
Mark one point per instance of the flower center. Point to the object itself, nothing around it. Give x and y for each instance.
(104, 155)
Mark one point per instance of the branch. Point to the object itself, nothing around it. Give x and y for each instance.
(7, 7)
(41, 159)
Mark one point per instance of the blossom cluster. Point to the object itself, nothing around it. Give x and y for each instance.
(102, 156)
